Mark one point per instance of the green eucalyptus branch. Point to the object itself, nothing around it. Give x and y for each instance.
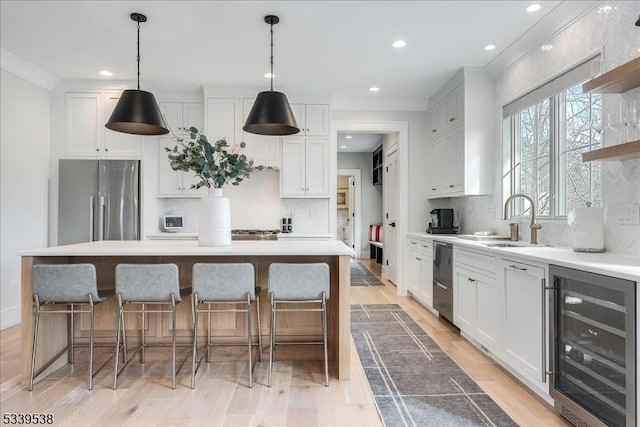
(215, 165)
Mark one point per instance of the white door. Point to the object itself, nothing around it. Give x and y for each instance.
(464, 297)
(84, 128)
(390, 195)
(118, 144)
(351, 213)
(292, 182)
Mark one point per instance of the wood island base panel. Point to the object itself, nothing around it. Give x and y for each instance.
(54, 334)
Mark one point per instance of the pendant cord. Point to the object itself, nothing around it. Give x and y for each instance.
(138, 55)
(271, 57)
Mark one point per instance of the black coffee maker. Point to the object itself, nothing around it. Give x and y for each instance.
(442, 222)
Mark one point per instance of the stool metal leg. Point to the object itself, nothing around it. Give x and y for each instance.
(194, 351)
(91, 318)
(324, 337)
(142, 337)
(249, 340)
(272, 328)
(35, 341)
(71, 333)
(209, 333)
(120, 321)
(173, 349)
(259, 327)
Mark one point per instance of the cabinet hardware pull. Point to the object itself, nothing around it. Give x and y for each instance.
(433, 189)
(106, 149)
(470, 279)
(440, 286)
(413, 243)
(517, 268)
(451, 185)
(417, 259)
(97, 149)
(433, 130)
(452, 119)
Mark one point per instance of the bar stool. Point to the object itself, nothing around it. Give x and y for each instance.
(69, 285)
(224, 284)
(294, 284)
(143, 284)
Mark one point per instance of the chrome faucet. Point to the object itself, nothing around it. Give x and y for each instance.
(534, 227)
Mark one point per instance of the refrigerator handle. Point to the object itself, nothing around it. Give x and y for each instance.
(101, 219)
(92, 201)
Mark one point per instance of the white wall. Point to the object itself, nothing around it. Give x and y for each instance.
(616, 35)
(371, 196)
(24, 141)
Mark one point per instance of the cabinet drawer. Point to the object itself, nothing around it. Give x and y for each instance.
(421, 246)
(476, 261)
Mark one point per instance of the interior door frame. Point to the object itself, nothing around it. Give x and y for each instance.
(381, 127)
(357, 207)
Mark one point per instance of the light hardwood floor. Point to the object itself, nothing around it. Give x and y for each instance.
(222, 398)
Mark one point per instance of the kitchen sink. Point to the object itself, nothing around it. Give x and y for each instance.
(506, 245)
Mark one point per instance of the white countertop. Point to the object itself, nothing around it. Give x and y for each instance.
(305, 235)
(191, 248)
(610, 264)
(172, 236)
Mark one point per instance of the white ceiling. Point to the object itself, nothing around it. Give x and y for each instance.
(359, 142)
(339, 48)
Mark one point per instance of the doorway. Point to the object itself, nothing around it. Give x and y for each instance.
(349, 215)
(401, 130)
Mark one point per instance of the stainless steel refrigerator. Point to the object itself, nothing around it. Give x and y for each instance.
(98, 200)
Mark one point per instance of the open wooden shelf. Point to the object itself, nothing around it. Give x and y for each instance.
(618, 80)
(628, 150)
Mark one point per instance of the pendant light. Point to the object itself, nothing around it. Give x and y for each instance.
(271, 113)
(137, 111)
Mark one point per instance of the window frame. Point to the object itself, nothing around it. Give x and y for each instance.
(557, 168)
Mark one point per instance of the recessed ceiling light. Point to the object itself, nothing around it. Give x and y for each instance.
(533, 7)
(399, 43)
(268, 75)
(348, 136)
(490, 47)
(546, 46)
(106, 73)
(374, 89)
(343, 146)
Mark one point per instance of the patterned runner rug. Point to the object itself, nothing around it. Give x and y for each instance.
(413, 381)
(360, 276)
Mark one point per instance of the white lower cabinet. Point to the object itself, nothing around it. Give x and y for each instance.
(524, 339)
(476, 309)
(421, 271)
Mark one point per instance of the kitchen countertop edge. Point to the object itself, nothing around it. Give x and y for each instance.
(607, 263)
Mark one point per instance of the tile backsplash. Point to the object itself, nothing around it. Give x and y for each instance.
(611, 30)
(256, 204)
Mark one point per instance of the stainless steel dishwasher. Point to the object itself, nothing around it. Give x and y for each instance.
(443, 279)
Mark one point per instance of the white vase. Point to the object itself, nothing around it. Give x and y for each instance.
(214, 220)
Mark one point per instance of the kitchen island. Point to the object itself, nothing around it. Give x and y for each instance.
(105, 255)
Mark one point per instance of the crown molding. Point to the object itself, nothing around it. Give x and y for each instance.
(26, 70)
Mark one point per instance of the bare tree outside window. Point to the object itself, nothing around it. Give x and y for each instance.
(547, 142)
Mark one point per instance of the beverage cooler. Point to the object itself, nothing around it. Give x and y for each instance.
(593, 347)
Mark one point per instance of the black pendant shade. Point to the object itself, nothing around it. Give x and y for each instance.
(137, 112)
(271, 115)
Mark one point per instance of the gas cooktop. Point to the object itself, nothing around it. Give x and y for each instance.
(254, 234)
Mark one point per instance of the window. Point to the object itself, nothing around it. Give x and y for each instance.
(543, 147)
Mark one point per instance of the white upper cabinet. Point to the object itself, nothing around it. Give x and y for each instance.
(183, 115)
(313, 119)
(118, 144)
(224, 117)
(263, 149)
(174, 183)
(466, 147)
(85, 134)
(305, 168)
